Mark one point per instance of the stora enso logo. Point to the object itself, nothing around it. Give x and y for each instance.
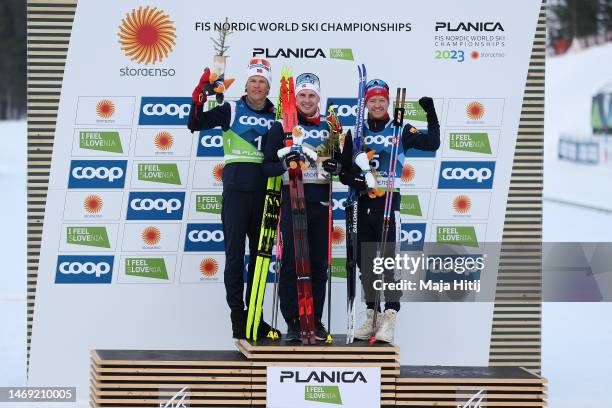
(147, 35)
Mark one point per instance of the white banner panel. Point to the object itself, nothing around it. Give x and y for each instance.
(123, 161)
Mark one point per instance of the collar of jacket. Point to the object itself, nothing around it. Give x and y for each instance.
(268, 106)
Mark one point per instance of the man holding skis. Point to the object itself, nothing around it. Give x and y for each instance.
(316, 192)
(245, 124)
(371, 210)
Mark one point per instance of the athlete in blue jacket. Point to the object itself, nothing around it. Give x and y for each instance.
(378, 136)
(245, 124)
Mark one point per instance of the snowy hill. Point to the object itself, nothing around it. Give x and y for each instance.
(571, 82)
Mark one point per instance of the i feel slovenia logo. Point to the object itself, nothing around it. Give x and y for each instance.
(147, 35)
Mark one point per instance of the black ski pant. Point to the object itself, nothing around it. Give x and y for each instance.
(241, 214)
(369, 232)
(317, 214)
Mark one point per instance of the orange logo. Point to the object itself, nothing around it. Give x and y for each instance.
(408, 173)
(105, 108)
(164, 141)
(475, 110)
(462, 204)
(209, 267)
(218, 172)
(151, 235)
(337, 235)
(147, 35)
(93, 204)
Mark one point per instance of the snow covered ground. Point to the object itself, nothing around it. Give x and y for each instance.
(13, 244)
(576, 337)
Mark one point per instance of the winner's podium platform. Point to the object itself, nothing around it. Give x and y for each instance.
(207, 378)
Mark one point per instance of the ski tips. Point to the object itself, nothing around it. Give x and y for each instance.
(372, 340)
(329, 339)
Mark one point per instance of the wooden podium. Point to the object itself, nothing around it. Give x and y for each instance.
(126, 378)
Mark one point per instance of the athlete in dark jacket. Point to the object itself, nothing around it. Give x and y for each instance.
(245, 124)
(378, 136)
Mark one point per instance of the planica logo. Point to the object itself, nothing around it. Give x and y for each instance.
(270, 53)
(469, 26)
(338, 377)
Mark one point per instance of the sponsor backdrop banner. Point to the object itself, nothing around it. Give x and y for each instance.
(132, 252)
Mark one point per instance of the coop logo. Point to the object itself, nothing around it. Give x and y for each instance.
(412, 237)
(466, 175)
(345, 108)
(155, 206)
(269, 53)
(316, 134)
(97, 173)
(255, 121)
(479, 26)
(379, 140)
(211, 143)
(338, 205)
(84, 269)
(147, 35)
(164, 110)
(204, 238)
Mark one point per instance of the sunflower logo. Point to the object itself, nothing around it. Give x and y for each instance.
(93, 204)
(408, 173)
(105, 108)
(209, 267)
(475, 110)
(218, 172)
(164, 141)
(462, 204)
(337, 235)
(146, 35)
(151, 235)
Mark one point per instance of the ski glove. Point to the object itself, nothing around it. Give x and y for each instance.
(427, 104)
(198, 96)
(292, 156)
(332, 166)
(359, 182)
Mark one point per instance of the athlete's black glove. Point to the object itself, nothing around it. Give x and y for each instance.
(428, 106)
(353, 178)
(359, 182)
(332, 166)
(292, 156)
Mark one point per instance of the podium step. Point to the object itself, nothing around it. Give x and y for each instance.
(216, 378)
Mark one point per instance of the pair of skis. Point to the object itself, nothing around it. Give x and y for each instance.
(269, 232)
(298, 213)
(351, 212)
(398, 124)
